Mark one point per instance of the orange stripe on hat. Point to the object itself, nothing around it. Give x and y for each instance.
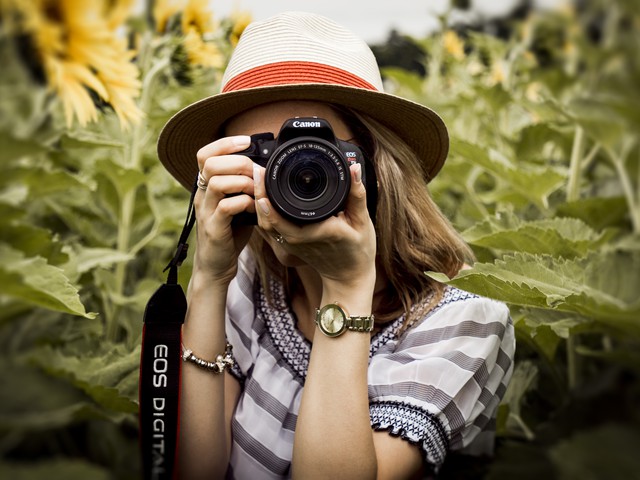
(293, 72)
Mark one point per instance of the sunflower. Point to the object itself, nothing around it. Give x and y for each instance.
(239, 21)
(453, 45)
(81, 52)
(163, 10)
(197, 26)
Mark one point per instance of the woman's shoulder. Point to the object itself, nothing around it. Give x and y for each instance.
(456, 305)
(458, 316)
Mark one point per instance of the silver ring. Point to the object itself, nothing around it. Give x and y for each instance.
(202, 182)
(279, 238)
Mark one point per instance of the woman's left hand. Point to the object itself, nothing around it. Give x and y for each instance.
(341, 248)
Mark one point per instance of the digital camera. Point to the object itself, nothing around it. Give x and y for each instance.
(307, 176)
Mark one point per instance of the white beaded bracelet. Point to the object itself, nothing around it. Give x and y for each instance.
(221, 363)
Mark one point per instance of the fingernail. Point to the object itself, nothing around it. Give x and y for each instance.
(262, 203)
(241, 140)
(256, 175)
(358, 169)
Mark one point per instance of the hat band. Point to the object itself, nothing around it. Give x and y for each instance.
(287, 73)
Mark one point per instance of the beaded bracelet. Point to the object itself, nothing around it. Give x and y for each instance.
(221, 363)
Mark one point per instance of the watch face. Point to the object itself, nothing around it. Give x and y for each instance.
(332, 320)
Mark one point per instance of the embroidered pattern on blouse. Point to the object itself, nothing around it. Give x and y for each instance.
(295, 349)
(414, 425)
(289, 342)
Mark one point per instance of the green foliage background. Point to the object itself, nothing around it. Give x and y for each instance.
(543, 180)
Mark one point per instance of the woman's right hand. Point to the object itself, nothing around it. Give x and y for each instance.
(218, 244)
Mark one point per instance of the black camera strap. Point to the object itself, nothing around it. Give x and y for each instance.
(160, 362)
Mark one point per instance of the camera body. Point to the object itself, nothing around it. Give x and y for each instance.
(307, 176)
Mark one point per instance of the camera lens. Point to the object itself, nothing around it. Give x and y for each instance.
(307, 179)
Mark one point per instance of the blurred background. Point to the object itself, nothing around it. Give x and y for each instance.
(542, 101)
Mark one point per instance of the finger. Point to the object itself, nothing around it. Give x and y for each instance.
(222, 146)
(356, 206)
(228, 207)
(224, 166)
(227, 165)
(268, 218)
(221, 187)
(258, 180)
(264, 210)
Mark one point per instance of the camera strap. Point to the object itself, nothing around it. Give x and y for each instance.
(160, 364)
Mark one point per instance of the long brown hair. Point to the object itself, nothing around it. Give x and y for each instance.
(413, 236)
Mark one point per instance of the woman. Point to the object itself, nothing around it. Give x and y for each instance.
(422, 368)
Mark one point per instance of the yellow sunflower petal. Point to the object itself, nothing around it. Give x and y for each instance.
(197, 15)
(201, 52)
(163, 10)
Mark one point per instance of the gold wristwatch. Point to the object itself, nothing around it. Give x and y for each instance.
(333, 320)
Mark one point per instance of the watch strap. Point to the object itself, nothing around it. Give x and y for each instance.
(357, 323)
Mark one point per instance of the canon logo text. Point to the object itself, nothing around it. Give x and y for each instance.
(299, 124)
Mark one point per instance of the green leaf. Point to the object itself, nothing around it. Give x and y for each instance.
(605, 118)
(34, 281)
(105, 376)
(41, 181)
(13, 148)
(523, 379)
(533, 139)
(603, 286)
(562, 324)
(562, 237)
(598, 212)
(87, 139)
(123, 179)
(31, 240)
(533, 182)
(404, 78)
(84, 259)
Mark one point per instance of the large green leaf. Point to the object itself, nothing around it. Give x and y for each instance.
(123, 179)
(603, 286)
(561, 237)
(606, 117)
(598, 212)
(523, 379)
(36, 282)
(533, 139)
(84, 259)
(42, 181)
(86, 138)
(108, 376)
(14, 148)
(532, 181)
(31, 240)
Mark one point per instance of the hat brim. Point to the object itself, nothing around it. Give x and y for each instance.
(200, 123)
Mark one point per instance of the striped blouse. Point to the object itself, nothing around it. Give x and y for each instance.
(438, 385)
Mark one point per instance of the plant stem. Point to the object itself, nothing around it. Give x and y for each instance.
(573, 194)
(133, 161)
(572, 362)
(632, 197)
(577, 150)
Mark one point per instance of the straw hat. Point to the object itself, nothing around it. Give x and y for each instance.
(299, 56)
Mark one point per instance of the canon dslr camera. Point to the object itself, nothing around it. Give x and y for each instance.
(307, 175)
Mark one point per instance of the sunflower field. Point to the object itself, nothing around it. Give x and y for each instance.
(543, 180)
